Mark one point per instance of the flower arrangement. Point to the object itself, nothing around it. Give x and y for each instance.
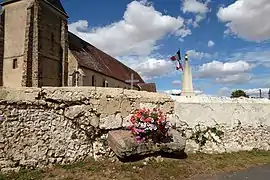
(149, 125)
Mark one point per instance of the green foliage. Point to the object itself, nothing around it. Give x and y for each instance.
(79, 164)
(202, 136)
(239, 93)
(24, 175)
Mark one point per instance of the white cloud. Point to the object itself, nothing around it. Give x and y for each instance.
(210, 43)
(248, 19)
(234, 79)
(178, 91)
(173, 91)
(198, 19)
(255, 57)
(194, 6)
(177, 82)
(149, 67)
(198, 8)
(136, 34)
(217, 68)
(152, 68)
(224, 91)
(193, 54)
(226, 73)
(254, 92)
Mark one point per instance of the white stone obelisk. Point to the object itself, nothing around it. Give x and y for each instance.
(187, 85)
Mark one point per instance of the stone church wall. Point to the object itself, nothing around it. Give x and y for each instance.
(43, 126)
(15, 16)
(100, 78)
(2, 41)
(50, 45)
(86, 79)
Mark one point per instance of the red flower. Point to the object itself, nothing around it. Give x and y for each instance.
(132, 119)
(148, 119)
(138, 115)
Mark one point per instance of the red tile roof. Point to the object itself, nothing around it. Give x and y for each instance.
(91, 57)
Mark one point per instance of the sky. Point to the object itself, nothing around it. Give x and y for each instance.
(227, 41)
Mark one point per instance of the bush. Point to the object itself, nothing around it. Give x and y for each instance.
(239, 93)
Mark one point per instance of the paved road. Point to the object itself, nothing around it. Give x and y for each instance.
(255, 173)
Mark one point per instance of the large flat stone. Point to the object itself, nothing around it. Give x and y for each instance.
(124, 144)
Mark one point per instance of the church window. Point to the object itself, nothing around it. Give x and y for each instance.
(52, 41)
(105, 83)
(15, 64)
(93, 80)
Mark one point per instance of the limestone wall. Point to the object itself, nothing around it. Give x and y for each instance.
(14, 39)
(236, 124)
(45, 126)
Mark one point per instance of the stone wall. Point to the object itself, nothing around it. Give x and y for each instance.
(43, 126)
(52, 45)
(233, 124)
(39, 127)
(2, 34)
(14, 42)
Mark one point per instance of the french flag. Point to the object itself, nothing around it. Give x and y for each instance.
(177, 56)
(179, 67)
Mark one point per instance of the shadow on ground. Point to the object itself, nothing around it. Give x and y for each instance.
(179, 155)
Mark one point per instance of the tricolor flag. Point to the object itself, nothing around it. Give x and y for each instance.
(177, 56)
(179, 66)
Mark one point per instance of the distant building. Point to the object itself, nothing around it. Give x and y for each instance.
(37, 50)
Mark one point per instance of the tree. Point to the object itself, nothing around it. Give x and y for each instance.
(239, 93)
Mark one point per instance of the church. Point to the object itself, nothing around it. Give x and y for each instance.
(37, 50)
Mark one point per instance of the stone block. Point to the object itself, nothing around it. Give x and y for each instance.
(124, 144)
(73, 111)
(111, 121)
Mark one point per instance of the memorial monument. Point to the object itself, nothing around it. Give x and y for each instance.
(187, 86)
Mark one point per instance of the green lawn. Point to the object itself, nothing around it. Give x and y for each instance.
(163, 169)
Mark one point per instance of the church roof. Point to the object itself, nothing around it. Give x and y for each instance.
(91, 57)
(150, 87)
(57, 4)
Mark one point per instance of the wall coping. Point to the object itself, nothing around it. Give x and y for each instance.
(218, 100)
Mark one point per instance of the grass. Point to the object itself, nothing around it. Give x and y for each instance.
(194, 165)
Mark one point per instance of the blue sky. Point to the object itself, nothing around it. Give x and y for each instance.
(227, 41)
